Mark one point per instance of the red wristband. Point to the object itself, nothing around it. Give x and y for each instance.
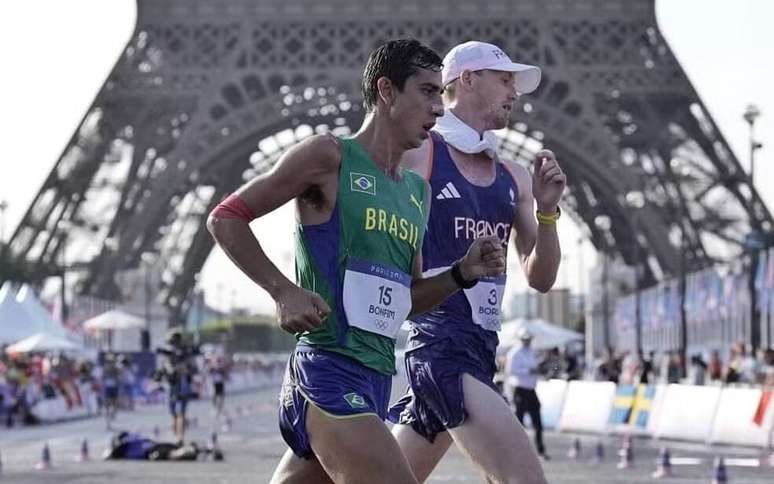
(234, 207)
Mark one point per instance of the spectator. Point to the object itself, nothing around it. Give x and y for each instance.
(732, 374)
(674, 368)
(111, 381)
(630, 369)
(646, 374)
(572, 368)
(551, 366)
(767, 368)
(748, 369)
(715, 366)
(607, 367)
(698, 369)
(126, 378)
(523, 370)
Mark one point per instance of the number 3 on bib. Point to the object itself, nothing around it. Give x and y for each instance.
(485, 300)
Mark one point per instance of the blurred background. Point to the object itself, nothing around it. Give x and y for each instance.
(123, 123)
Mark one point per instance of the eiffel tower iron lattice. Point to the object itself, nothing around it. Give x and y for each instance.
(207, 93)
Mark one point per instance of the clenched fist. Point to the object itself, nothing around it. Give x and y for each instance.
(300, 310)
(485, 257)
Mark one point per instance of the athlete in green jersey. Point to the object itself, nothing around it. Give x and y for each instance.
(361, 220)
(376, 228)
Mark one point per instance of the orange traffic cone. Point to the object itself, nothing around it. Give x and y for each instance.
(575, 449)
(215, 452)
(83, 455)
(599, 453)
(721, 476)
(664, 468)
(45, 459)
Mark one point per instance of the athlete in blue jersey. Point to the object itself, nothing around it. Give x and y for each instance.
(450, 358)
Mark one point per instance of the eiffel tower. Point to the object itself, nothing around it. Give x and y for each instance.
(207, 93)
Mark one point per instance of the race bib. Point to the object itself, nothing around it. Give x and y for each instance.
(485, 300)
(377, 298)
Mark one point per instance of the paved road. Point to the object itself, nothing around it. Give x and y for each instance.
(253, 447)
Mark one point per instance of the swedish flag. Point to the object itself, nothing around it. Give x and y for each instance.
(643, 403)
(622, 405)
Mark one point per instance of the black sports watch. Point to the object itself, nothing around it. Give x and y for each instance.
(457, 276)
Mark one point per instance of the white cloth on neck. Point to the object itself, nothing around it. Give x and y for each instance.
(463, 137)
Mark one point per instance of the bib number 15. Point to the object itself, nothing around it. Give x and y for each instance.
(377, 298)
(385, 295)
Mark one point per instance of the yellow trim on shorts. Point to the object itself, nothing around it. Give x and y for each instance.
(330, 415)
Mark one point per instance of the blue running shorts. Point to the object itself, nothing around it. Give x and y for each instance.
(434, 401)
(177, 405)
(337, 385)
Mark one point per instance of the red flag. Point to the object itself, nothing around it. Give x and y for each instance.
(763, 404)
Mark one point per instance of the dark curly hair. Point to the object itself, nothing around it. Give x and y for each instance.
(397, 60)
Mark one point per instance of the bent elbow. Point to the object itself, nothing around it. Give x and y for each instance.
(542, 286)
(212, 225)
(216, 227)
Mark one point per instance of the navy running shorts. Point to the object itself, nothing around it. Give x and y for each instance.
(337, 385)
(434, 401)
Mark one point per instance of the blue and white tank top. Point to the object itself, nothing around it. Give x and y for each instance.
(460, 213)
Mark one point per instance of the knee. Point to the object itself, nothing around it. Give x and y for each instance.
(521, 479)
(523, 475)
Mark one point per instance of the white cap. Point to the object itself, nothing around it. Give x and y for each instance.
(524, 334)
(478, 56)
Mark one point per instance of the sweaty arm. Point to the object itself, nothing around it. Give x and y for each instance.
(485, 257)
(311, 165)
(537, 244)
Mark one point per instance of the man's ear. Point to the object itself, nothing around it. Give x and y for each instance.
(466, 79)
(386, 90)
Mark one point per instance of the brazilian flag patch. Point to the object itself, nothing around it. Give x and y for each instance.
(360, 182)
(355, 401)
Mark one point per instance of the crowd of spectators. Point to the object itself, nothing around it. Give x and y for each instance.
(740, 366)
(26, 380)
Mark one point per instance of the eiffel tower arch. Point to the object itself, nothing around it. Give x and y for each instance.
(207, 93)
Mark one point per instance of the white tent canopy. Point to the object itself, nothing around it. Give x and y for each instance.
(113, 319)
(22, 315)
(43, 342)
(32, 305)
(15, 322)
(544, 334)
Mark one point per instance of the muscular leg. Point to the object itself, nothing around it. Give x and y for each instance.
(295, 470)
(494, 440)
(421, 454)
(339, 444)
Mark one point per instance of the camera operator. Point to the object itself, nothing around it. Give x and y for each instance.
(178, 370)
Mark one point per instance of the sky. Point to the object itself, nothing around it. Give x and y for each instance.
(56, 55)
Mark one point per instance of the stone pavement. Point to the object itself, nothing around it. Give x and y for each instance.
(253, 447)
